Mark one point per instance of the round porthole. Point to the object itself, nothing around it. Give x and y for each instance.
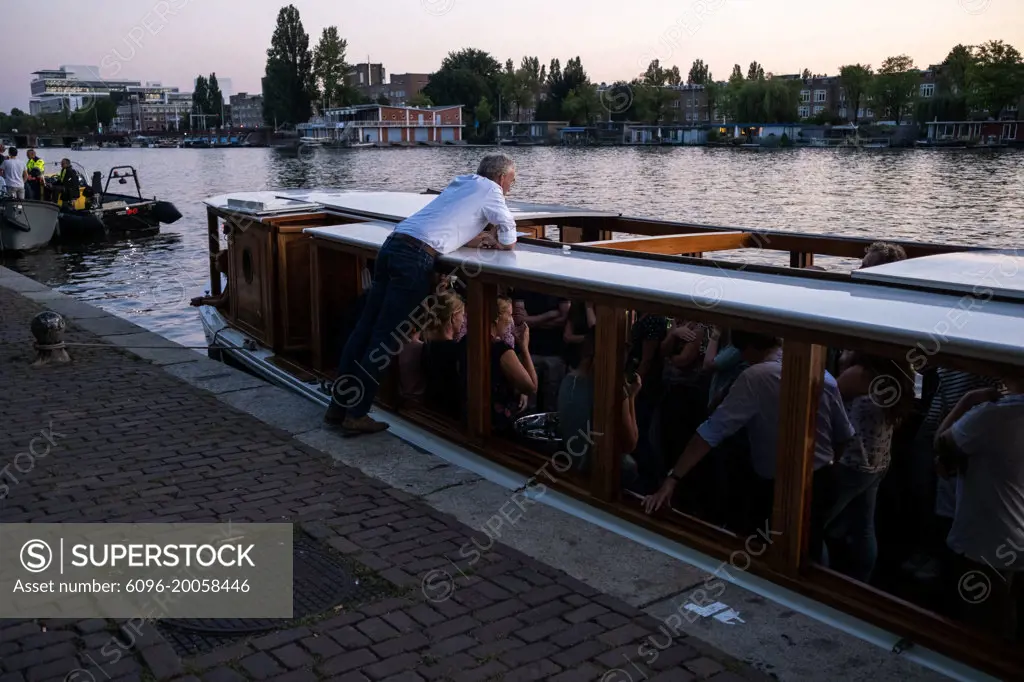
(247, 265)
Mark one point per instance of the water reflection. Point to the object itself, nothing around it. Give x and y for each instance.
(945, 196)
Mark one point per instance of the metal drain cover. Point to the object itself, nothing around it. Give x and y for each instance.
(321, 582)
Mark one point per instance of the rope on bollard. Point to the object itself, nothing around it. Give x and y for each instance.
(48, 327)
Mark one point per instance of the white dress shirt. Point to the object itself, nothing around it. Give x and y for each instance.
(989, 518)
(459, 213)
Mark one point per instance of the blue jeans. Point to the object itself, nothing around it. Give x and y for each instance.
(850, 522)
(402, 279)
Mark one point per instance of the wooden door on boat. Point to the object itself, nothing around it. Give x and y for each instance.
(249, 260)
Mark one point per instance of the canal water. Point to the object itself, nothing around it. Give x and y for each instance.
(949, 196)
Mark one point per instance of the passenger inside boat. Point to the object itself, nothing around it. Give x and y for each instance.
(981, 441)
(442, 363)
(753, 404)
(858, 472)
(881, 253)
(513, 375)
(581, 320)
(546, 317)
(576, 415)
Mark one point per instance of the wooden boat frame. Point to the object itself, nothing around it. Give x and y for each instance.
(296, 285)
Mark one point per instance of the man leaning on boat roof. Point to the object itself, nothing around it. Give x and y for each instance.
(403, 278)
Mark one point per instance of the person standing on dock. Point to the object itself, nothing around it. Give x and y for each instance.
(403, 278)
(14, 174)
(35, 168)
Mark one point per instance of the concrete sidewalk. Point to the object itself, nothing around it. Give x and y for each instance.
(158, 438)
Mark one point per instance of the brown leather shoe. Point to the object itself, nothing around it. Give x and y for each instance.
(364, 424)
(335, 415)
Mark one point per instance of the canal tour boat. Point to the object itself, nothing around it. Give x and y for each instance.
(297, 261)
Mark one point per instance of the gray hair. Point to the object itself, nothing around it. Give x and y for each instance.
(493, 166)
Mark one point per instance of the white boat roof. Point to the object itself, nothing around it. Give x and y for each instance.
(390, 206)
(990, 331)
(274, 203)
(969, 272)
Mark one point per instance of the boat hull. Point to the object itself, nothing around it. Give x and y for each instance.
(123, 217)
(26, 225)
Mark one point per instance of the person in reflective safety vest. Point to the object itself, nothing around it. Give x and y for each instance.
(35, 167)
(67, 183)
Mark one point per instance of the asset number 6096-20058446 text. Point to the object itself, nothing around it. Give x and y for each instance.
(185, 585)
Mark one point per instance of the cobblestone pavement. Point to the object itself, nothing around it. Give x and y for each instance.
(134, 444)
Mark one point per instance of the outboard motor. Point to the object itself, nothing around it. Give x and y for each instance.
(97, 187)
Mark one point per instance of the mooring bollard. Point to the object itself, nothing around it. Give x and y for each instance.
(48, 328)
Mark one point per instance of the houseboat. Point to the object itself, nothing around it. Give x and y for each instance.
(378, 124)
(298, 261)
(984, 134)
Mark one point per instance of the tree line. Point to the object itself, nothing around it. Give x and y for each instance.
(101, 110)
(979, 80)
(298, 79)
(973, 81)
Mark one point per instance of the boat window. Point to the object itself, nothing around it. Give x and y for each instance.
(432, 364)
(707, 417)
(921, 502)
(542, 388)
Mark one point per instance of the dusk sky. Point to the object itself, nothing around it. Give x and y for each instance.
(172, 41)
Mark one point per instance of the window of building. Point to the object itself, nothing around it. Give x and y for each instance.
(805, 95)
(820, 95)
(927, 89)
(804, 112)
(1011, 107)
(689, 116)
(842, 112)
(675, 104)
(868, 113)
(818, 110)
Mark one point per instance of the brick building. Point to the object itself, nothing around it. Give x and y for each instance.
(246, 110)
(365, 75)
(691, 105)
(371, 81)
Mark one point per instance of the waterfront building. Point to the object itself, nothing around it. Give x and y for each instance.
(529, 132)
(380, 124)
(152, 108)
(365, 75)
(983, 133)
(71, 87)
(370, 81)
(663, 133)
(691, 105)
(246, 111)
